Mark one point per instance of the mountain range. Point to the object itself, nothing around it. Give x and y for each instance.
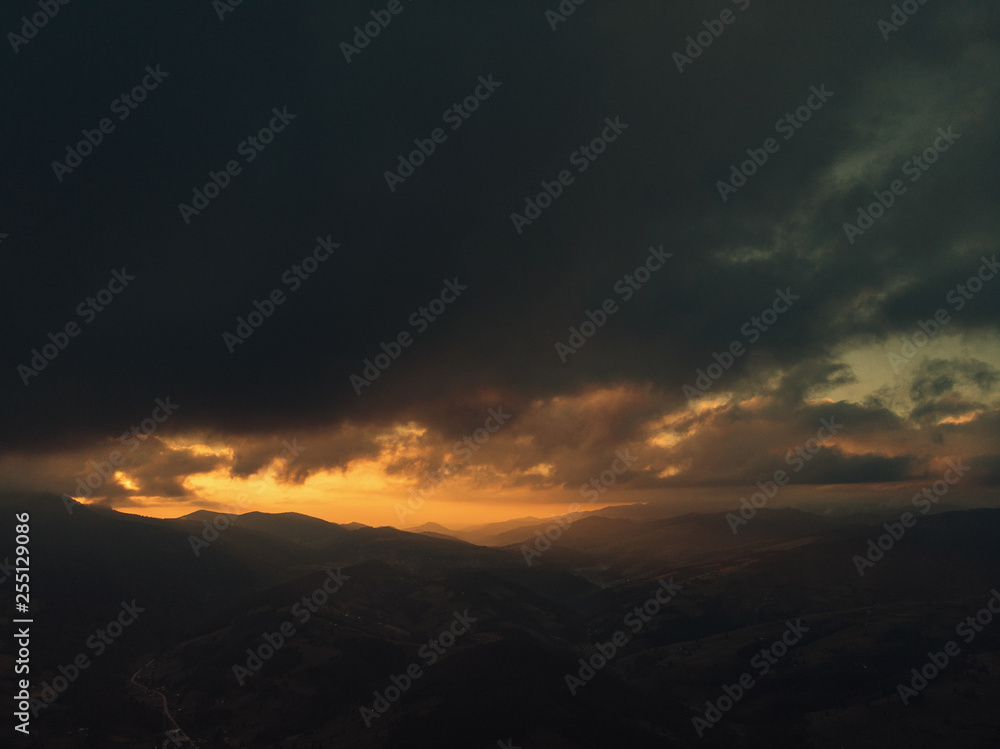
(235, 644)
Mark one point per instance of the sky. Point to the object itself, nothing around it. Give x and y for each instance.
(462, 262)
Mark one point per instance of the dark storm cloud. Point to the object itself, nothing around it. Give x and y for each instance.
(832, 466)
(986, 469)
(738, 445)
(941, 388)
(159, 470)
(935, 377)
(936, 409)
(321, 178)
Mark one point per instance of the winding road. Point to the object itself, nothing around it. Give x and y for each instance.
(163, 698)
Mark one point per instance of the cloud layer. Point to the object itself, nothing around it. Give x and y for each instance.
(863, 299)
